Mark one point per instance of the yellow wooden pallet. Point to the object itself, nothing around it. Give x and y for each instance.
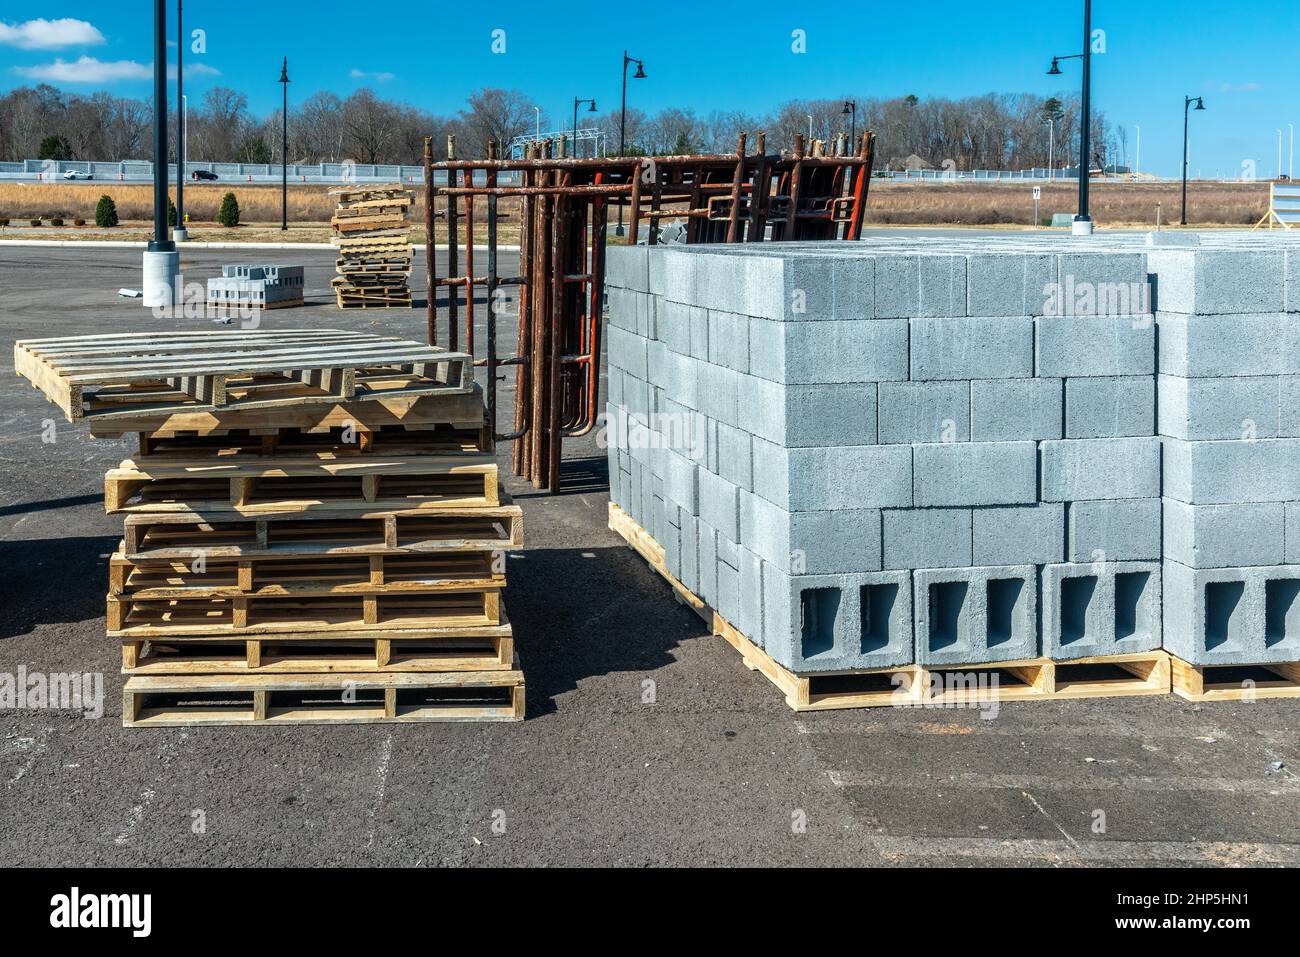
(1235, 682)
(913, 685)
(360, 698)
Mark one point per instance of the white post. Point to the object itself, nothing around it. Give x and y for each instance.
(1137, 163)
(538, 111)
(810, 130)
(1279, 154)
(1290, 171)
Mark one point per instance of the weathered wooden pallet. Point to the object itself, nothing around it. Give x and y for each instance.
(303, 576)
(237, 307)
(367, 302)
(187, 536)
(322, 614)
(457, 409)
(913, 685)
(128, 375)
(485, 648)
(334, 443)
(1235, 682)
(250, 486)
(256, 699)
(360, 193)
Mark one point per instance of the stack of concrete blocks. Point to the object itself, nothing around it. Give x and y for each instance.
(1229, 401)
(265, 286)
(934, 451)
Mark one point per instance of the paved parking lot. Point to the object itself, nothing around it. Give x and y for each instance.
(717, 770)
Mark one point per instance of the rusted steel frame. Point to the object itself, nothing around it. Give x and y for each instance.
(796, 173)
(536, 191)
(656, 203)
(634, 211)
(453, 267)
(862, 185)
(554, 437)
(733, 222)
(469, 265)
(595, 311)
(759, 197)
(491, 321)
(541, 347)
(430, 249)
(521, 435)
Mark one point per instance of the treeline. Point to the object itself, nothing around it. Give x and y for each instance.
(995, 131)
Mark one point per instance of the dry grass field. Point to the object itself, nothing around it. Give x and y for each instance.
(902, 204)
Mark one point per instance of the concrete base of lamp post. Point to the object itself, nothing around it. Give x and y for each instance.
(161, 270)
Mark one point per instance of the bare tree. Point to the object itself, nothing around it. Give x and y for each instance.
(496, 115)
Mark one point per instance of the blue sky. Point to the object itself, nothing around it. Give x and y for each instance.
(1242, 60)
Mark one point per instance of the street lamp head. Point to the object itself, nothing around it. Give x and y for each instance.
(1200, 104)
(592, 108)
(1056, 67)
(849, 106)
(284, 72)
(640, 71)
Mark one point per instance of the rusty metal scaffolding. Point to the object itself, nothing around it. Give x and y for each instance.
(816, 191)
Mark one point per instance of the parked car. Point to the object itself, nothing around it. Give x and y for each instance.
(203, 174)
(76, 174)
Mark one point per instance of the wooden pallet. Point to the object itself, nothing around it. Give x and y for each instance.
(337, 443)
(249, 617)
(1235, 682)
(250, 486)
(237, 307)
(185, 536)
(127, 375)
(913, 685)
(486, 648)
(187, 700)
(309, 576)
(458, 410)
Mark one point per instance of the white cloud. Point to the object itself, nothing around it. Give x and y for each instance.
(191, 69)
(87, 69)
(1239, 87)
(50, 34)
(377, 77)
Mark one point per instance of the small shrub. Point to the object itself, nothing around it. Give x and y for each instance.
(106, 212)
(4, 222)
(56, 221)
(34, 222)
(78, 222)
(171, 213)
(228, 215)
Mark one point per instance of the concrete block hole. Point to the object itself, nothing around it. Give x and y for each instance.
(947, 602)
(1076, 597)
(1281, 610)
(819, 608)
(1129, 589)
(1222, 622)
(877, 603)
(1003, 597)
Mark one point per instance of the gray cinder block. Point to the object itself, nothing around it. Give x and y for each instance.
(1109, 608)
(1008, 410)
(1018, 535)
(976, 615)
(1219, 281)
(997, 347)
(924, 412)
(729, 591)
(1199, 346)
(771, 472)
(1232, 616)
(628, 267)
(767, 349)
(830, 287)
(824, 415)
(749, 618)
(841, 351)
(729, 340)
(735, 456)
(1224, 408)
(926, 538)
(1121, 531)
(1293, 533)
(817, 623)
(1110, 407)
(1076, 346)
(680, 483)
(762, 413)
(1111, 273)
(628, 351)
(1093, 469)
(870, 476)
(706, 540)
(1227, 472)
(1224, 536)
(1289, 407)
(811, 543)
(673, 325)
(979, 473)
(719, 504)
(1002, 284)
(690, 553)
(909, 286)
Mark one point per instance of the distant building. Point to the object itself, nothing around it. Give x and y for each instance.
(267, 287)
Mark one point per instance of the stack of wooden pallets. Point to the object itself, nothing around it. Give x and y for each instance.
(314, 529)
(372, 232)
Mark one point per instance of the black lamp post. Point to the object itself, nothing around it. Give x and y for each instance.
(160, 242)
(1083, 222)
(1187, 110)
(851, 109)
(591, 109)
(622, 122)
(284, 148)
(180, 124)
